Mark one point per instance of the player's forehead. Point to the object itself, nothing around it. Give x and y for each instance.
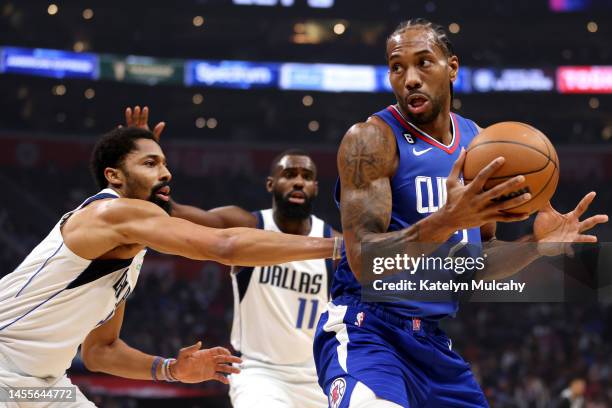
(297, 162)
(412, 41)
(144, 148)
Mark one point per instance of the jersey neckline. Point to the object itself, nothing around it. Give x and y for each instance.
(416, 132)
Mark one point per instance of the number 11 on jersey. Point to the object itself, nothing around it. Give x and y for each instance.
(302, 309)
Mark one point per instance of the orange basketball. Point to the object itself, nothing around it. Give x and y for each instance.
(527, 151)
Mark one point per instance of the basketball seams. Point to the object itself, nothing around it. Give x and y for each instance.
(541, 190)
(511, 142)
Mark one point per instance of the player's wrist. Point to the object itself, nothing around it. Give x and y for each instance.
(443, 222)
(161, 369)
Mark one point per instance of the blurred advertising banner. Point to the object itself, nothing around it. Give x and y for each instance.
(147, 70)
(328, 77)
(512, 80)
(589, 79)
(231, 74)
(48, 63)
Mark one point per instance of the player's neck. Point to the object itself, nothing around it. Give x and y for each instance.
(440, 128)
(291, 225)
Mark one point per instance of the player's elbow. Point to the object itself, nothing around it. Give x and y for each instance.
(90, 355)
(225, 249)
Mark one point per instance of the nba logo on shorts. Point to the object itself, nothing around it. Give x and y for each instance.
(416, 324)
(336, 392)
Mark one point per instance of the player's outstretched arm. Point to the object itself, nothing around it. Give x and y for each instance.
(103, 351)
(141, 222)
(222, 217)
(367, 160)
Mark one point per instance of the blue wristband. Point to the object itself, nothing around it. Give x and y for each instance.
(154, 368)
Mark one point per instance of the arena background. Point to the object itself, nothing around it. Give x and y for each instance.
(236, 84)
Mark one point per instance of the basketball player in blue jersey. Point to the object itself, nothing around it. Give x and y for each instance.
(284, 300)
(400, 182)
(71, 289)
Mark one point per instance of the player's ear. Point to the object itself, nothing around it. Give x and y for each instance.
(269, 184)
(114, 177)
(453, 67)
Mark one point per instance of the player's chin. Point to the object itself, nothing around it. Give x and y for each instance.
(164, 204)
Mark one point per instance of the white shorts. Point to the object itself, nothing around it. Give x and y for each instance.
(261, 385)
(10, 378)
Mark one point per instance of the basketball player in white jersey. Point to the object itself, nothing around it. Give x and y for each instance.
(71, 289)
(276, 307)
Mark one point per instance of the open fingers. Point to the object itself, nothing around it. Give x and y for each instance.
(583, 205)
(219, 351)
(592, 221)
(504, 188)
(144, 117)
(227, 369)
(159, 128)
(128, 116)
(483, 175)
(220, 378)
(510, 204)
(223, 359)
(586, 238)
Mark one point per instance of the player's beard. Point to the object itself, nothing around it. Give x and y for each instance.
(426, 117)
(165, 205)
(292, 210)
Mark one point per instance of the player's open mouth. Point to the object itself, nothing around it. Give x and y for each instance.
(297, 197)
(163, 193)
(417, 103)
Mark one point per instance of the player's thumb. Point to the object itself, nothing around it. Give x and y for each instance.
(458, 166)
(186, 351)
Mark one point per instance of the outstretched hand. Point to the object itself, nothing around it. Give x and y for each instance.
(140, 118)
(194, 365)
(555, 232)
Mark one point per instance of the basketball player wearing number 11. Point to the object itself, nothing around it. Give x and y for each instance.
(400, 181)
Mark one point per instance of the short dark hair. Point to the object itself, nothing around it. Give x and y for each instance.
(111, 149)
(288, 152)
(440, 35)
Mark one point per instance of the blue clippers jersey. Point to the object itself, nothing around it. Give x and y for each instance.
(418, 189)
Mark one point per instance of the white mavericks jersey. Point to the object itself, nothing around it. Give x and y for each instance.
(276, 308)
(54, 298)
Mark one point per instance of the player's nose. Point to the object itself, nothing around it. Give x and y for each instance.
(165, 174)
(413, 79)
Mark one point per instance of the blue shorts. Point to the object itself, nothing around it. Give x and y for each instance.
(408, 362)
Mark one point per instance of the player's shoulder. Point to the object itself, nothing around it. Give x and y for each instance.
(119, 210)
(370, 136)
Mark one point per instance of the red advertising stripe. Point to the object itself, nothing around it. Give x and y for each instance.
(587, 79)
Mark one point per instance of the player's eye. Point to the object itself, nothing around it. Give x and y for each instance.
(426, 62)
(149, 163)
(396, 68)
